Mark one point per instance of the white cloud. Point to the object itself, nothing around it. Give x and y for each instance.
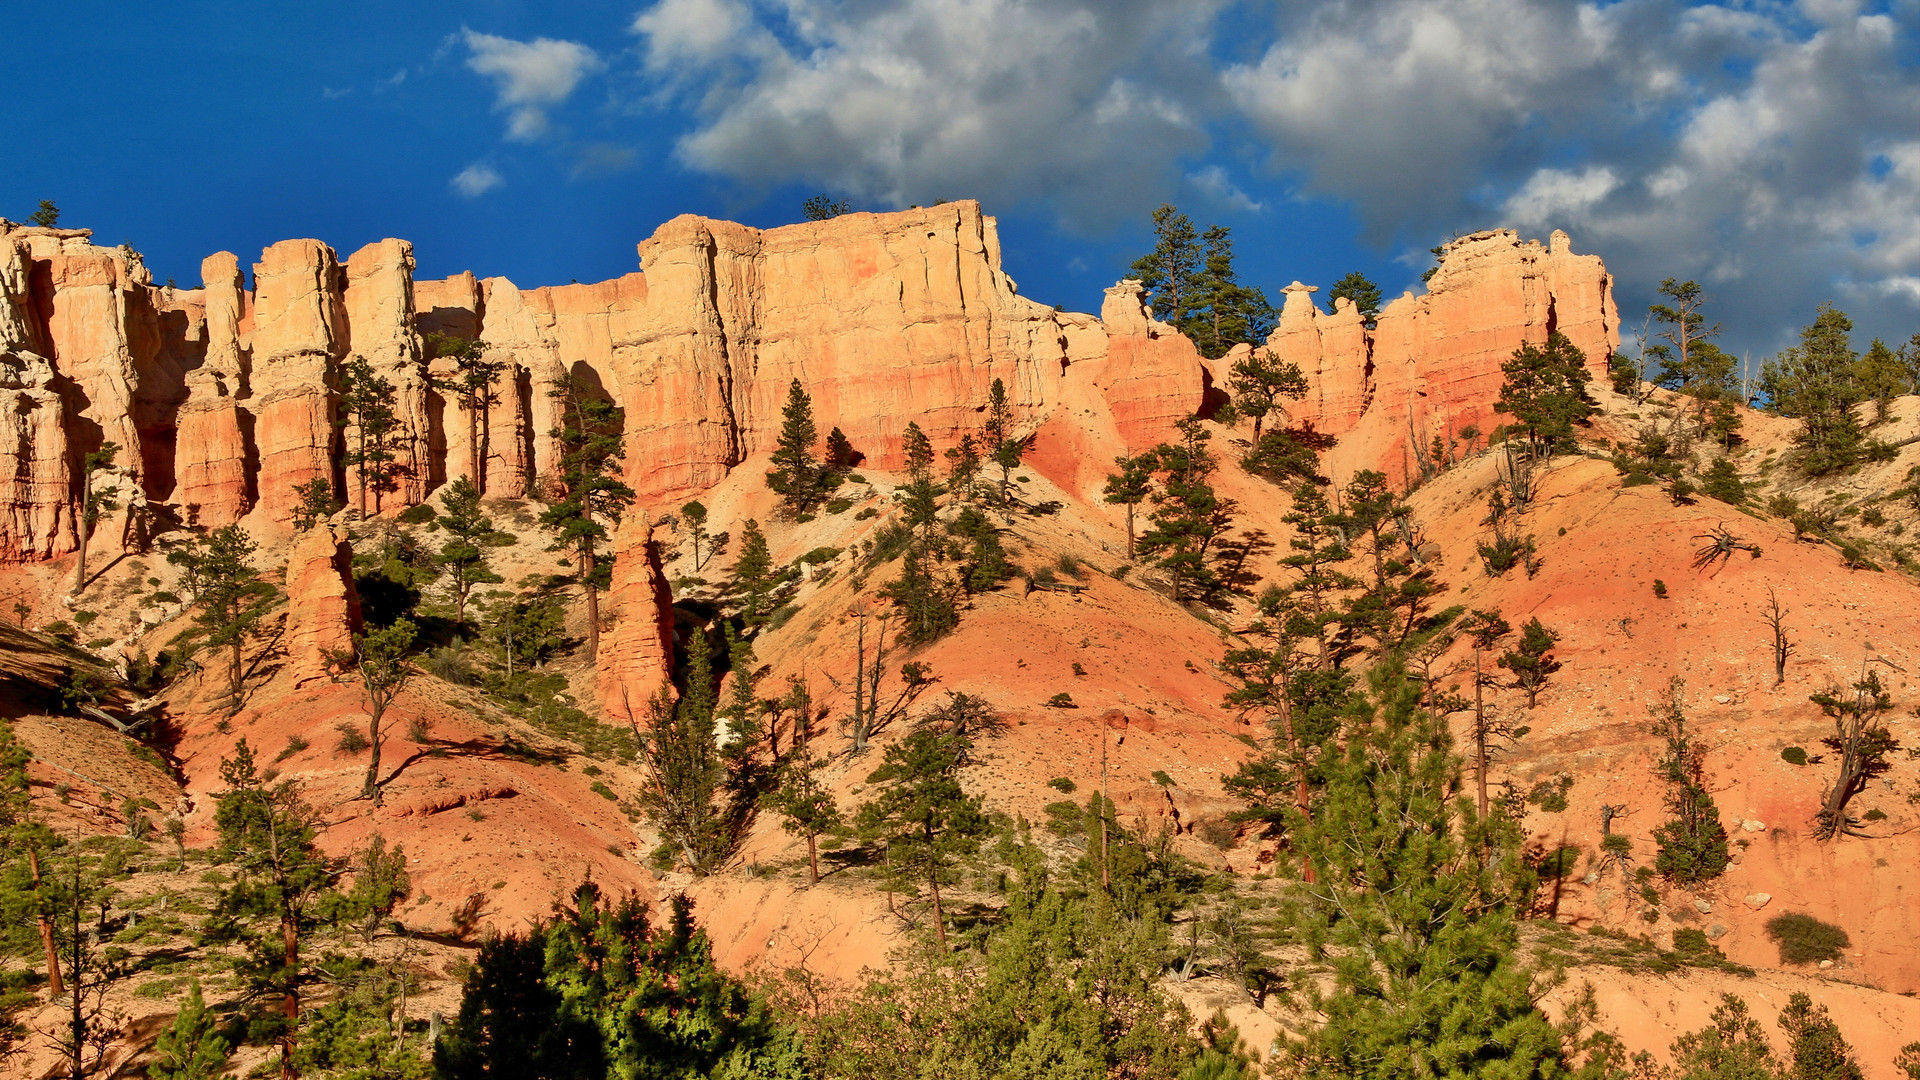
(1555, 198)
(476, 180)
(529, 76)
(1214, 183)
(1085, 103)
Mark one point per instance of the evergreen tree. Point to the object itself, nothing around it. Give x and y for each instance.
(841, 456)
(700, 795)
(1360, 289)
(924, 816)
(268, 833)
(1531, 661)
(1003, 448)
(384, 671)
(48, 216)
(315, 503)
(463, 558)
(1815, 382)
(190, 1048)
(1319, 550)
(1545, 391)
(528, 627)
(984, 563)
(1689, 362)
(95, 501)
(471, 383)
(367, 402)
(1882, 377)
(796, 476)
(805, 806)
(1170, 270)
(229, 597)
(1862, 741)
(1373, 518)
(1693, 843)
(1227, 313)
(1189, 517)
(758, 586)
(589, 495)
(1259, 382)
(1722, 481)
(26, 843)
(600, 992)
(1817, 1050)
(380, 884)
(1732, 1047)
(1130, 487)
(824, 207)
(80, 894)
(1420, 931)
(706, 545)
(920, 594)
(963, 467)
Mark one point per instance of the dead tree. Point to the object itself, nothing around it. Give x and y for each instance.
(1862, 741)
(1775, 617)
(1720, 546)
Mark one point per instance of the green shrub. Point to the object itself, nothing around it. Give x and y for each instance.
(1875, 814)
(417, 515)
(1794, 755)
(1062, 700)
(352, 740)
(1064, 818)
(856, 478)
(839, 506)
(820, 555)
(1804, 939)
(1062, 785)
(1691, 941)
(1069, 565)
(1659, 589)
(601, 789)
(867, 514)
(1161, 778)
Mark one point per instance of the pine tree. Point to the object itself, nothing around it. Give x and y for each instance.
(268, 833)
(1815, 382)
(1169, 272)
(700, 795)
(1130, 487)
(380, 884)
(1545, 391)
(704, 545)
(27, 843)
(1692, 842)
(1259, 382)
(1532, 661)
(805, 806)
(1189, 517)
(229, 597)
(1733, 1046)
(48, 216)
(590, 496)
(1817, 1050)
(314, 503)
(1722, 481)
(190, 1048)
(1362, 291)
(925, 817)
(1318, 553)
(796, 476)
(920, 594)
(1226, 313)
(367, 403)
(95, 501)
(1003, 447)
(471, 384)
(463, 558)
(758, 586)
(381, 653)
(963, 467)
(841, 456)
(1882, 377)
(1421, 933)
(1862, 740)
(1689, 362)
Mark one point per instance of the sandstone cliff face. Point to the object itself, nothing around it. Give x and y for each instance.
(36, 519)
(323, 609)
(226, 401)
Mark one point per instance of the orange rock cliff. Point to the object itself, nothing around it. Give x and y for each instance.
(223, 400)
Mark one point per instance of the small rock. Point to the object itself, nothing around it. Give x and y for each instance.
(1591, 879)
(1718, 931)
(1702, 906)
(1825, 964)
(1722, 698)
(1758, 900)
(1753, 826)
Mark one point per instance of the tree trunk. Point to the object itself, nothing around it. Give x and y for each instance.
(290, 1002)
(86, 534)
(360, 470)
(1479, 737)
(236, 678)
(1129, 532)
(372, 788)
(813, 859)
(860, 686)
(475, 461)
(586, 571)
(939, 917)
(77, 1021)
(54, 986)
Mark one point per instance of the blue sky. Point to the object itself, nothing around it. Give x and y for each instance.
(1771, 150)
